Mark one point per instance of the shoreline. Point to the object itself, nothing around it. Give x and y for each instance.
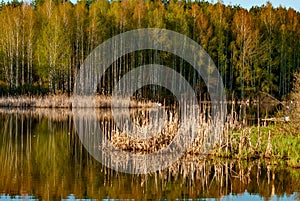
(270, 142)
(60, 101)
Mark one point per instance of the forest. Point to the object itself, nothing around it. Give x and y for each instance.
(44, 43)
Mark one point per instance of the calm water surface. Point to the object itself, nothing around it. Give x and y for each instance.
(42, 158)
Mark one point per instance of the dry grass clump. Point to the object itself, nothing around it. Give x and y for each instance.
(294, 108)
(291, 111)
(161, 140)
(122, 141)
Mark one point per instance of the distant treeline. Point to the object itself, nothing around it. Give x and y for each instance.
(43, 44)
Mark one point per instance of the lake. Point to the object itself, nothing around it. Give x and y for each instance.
(42, 158)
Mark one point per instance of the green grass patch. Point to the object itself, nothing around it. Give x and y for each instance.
(271, 142)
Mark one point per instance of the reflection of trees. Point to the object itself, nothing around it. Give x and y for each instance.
(43, 157)
(35, 152)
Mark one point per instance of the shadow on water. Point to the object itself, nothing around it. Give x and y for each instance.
(42, 156)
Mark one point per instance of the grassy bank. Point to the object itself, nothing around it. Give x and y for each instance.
(271, 142)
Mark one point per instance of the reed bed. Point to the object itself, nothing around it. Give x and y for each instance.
(58, 101)
(122, 141)
(238, 141)
(62, 101)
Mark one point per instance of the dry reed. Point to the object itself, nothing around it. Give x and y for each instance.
(61, 101)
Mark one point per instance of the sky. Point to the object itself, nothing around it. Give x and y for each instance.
(295, 4)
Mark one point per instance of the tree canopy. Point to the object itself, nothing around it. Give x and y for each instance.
(43, 44)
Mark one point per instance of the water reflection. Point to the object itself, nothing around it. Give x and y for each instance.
(72, 198)
(42, 156)
(17, 198)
